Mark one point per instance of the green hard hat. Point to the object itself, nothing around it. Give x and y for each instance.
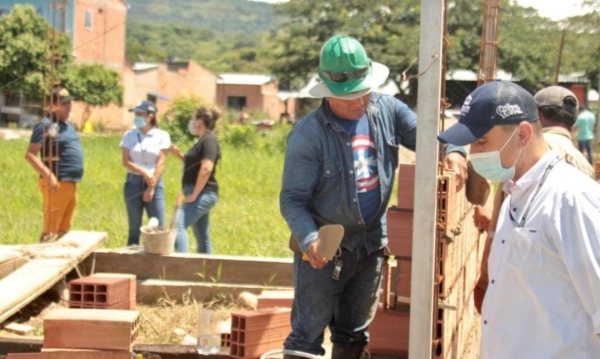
(344, 55)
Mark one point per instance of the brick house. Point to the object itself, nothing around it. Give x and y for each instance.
(254, 92)
(97, 31)
(161, 82)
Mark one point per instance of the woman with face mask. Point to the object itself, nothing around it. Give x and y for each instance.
(199, 183)
(144, 153)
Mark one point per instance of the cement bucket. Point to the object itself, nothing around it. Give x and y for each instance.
(157, 240)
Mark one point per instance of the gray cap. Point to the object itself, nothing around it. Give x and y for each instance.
(557, 96)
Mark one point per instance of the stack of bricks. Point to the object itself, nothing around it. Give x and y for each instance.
(459, 253)
(389, 329)
(90, 334)
(103, 291)
(255, 332)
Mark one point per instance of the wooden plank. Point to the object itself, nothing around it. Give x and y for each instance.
(48, 264)
(149, 291)
(10, 260)
(165, 351)
(195, 267)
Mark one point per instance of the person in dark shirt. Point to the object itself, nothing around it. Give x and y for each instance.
(60, 165)
(198, 181)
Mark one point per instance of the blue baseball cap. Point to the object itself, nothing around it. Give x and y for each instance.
(494, 103)
(144, 106)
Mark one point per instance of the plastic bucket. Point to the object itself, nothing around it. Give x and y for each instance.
(158, 241)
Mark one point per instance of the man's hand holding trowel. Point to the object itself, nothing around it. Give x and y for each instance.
(325, 247)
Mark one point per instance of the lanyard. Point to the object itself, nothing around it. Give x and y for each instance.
(143, 150)
(521, 223)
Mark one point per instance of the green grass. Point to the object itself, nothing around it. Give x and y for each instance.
(245, 221)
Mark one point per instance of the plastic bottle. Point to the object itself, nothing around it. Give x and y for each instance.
(209, 336)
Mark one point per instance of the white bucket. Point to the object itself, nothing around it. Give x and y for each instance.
(158, 242)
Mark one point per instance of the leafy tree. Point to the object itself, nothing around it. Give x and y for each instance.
(387, 27)
(25, 52)
(95, 85)
(175, 119)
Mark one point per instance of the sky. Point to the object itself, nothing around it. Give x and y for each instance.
(554, 9)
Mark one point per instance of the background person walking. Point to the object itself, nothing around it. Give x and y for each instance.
(585, 132)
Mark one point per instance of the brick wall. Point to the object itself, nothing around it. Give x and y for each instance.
(104, 40)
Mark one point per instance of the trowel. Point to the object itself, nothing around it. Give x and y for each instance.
(328, 241)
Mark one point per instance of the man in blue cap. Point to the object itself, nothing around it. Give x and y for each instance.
(543, 300)
(340, 164)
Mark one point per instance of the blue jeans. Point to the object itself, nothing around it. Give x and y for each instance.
(587, 145)
(133, 192)
(347, 305)
(195, 214)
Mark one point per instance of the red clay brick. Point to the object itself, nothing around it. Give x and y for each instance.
(103, 290)
(259, 336)
(91, 329)
(275, 299)
(400, 231)
(23, 355)
(255, 320)
(132, 284)
(388, 333)
(406, 186)
(84, 354)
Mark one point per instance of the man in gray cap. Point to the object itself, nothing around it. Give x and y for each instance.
(558, 108)
(543, 300)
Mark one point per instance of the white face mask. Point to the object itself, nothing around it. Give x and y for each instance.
(192, 128)
(489, 164)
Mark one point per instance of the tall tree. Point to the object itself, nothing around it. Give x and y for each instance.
(387, 27)
(95, 85)
(25, 52)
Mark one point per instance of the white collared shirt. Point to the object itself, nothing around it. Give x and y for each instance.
(543, 298)
(145, 147)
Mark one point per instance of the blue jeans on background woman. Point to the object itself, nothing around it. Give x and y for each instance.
(133, 193)
(587, 146)
(196, 215)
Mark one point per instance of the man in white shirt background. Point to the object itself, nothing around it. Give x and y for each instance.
(543, 299)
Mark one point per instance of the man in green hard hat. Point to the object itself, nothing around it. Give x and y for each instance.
(340, 165)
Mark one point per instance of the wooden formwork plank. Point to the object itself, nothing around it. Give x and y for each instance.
(47, 266)
(195, 267)
(149, 291)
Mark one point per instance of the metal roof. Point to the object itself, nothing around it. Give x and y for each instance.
(244, 79)
(141, 66)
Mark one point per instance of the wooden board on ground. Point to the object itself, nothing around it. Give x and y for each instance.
(48, 263)
(149, 291)
(163, 351)
(195, 267)
(10, 260)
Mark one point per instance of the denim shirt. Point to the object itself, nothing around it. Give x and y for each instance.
(319, 185)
